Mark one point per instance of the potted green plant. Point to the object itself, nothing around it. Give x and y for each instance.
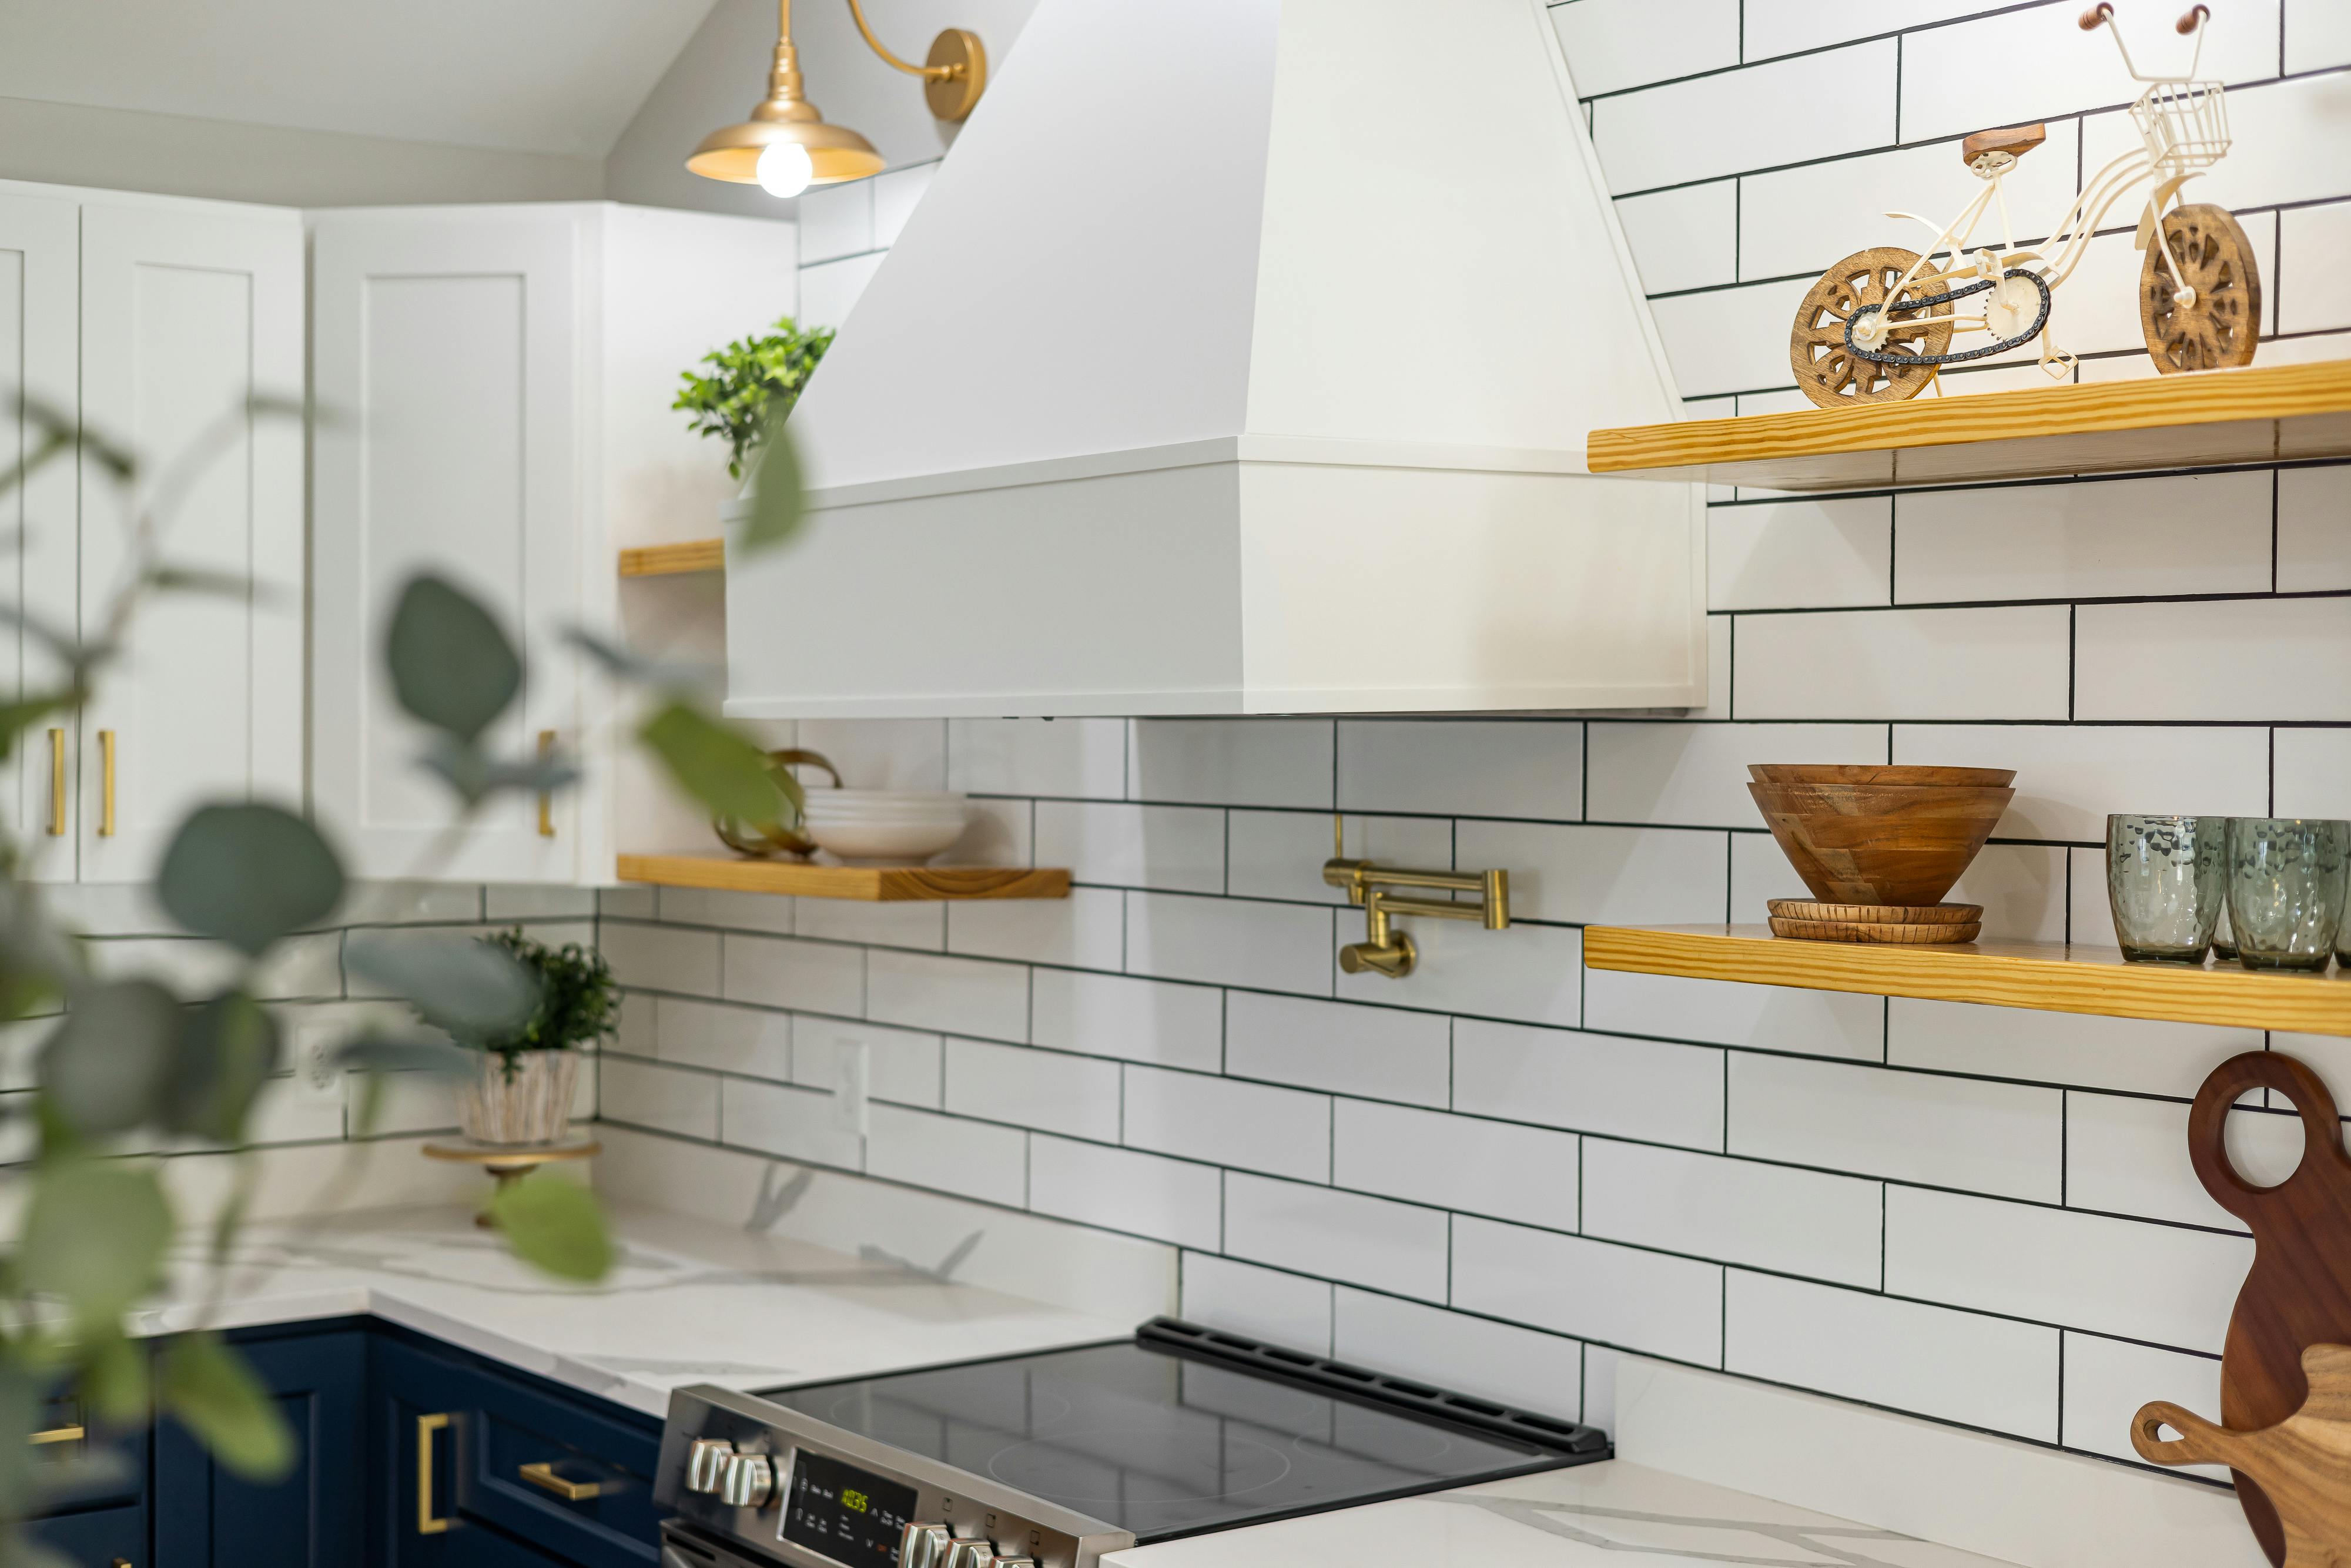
(522, 1093)
(754, 381)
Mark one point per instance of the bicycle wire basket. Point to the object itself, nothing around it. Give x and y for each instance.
(2185, 124)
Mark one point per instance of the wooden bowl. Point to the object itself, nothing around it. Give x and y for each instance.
(1879, 773)
(1880, 843)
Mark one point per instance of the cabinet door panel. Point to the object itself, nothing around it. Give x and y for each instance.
(102, 1538)
(207, 1518)
(187, 315)
(40, 284)
(447, 351)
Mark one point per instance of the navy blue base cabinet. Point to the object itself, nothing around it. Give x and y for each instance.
(411, 1454)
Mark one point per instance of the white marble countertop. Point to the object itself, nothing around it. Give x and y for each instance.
(1590, 1514)
(687, 1301)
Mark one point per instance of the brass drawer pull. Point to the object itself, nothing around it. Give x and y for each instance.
(60, 1435)
(106, 784)
(542, 1476)
(425, 1523)
(546, 797)
(57, 783)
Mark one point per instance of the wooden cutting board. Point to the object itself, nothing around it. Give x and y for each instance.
(2304, 1461)
(2298, 1291)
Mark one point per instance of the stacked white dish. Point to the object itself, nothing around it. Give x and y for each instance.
(884, 827)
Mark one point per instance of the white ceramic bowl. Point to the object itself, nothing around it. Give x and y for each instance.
(907, 843)
(865, 805)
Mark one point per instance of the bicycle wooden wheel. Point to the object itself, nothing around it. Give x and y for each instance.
(1831, 374)
(2222, 325)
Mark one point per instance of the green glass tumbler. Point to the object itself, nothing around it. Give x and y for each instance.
(2167, 884)
(2286, 888)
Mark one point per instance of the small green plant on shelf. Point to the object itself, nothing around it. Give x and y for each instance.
(578, 1002)
(754, 381)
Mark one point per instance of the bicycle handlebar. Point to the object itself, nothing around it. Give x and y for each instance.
(2196, 17)
(2097, 15)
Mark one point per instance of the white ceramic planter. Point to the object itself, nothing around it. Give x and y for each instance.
(533, 1106)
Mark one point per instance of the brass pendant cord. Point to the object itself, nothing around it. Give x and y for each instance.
(928, 73)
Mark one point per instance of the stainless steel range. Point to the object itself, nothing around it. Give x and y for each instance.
(1053, 1459)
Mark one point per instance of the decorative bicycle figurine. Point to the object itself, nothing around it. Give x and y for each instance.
(1878, 326)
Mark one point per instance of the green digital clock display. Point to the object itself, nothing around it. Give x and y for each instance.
(844, 1513)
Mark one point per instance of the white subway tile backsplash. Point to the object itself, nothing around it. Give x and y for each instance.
(1999, 662)
(2130, 1156)
(1343, 1236)
(1381, 1053)
(1229, 941)
(1737, 1211)
(1469, 768)
(2313, 769)
(2106, 1380)
(794, 1123)
(1759, 873)
(1530, 973)
(2317, 35)
(1286, 1309)
(667, 1099)
(1230, 761)
(896, 193)
(1136, 1020)
(1728, 1012)
(1729, 340)
(1086, 930)
(1121, 1189)
(1249, 1126)
(1031, 1087)
(1597, 1083)
(2134, 1055)
(1594, 875)
(1980, 1370)
(2313, 548)
(2287, 146)
(1611, 45)
(779, 972)
(1782, 114)
(2003, 1138)
(2068, 778)
(836, 221)
(2159, 1283)
(660, 958)
(2195, 533)
(882, 924)
(1799, 554)
(1683, 238)
(1085, 758)
(920, 991)
(1622, 1296)
(900, 1065)
(1784, 27)
(735, 911)
(1694, 775)
(829, 291)
(2206, 660)
(1539, 1371)
(1279, 854)
(970, 1159)
(879, 753)
(2022, 888)
(748, 1040)
(1178, 848)
(1493, 1168)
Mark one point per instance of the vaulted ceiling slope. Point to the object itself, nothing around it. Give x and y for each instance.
(561, 76)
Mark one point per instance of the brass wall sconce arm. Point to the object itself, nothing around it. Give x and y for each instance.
(1386, 950)
(953, 74)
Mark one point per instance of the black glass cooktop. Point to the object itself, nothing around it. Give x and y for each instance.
(1161, 1443)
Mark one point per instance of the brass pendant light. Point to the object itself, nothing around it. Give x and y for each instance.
(786, 146)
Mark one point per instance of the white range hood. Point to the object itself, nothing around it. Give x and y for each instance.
(1239, 360)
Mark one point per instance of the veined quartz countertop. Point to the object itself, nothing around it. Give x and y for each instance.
(1612, 1512)
(687, 1301)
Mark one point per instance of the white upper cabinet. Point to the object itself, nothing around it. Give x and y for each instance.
(493, 384)
(189, 313)
(1275, 405)
(39, 285)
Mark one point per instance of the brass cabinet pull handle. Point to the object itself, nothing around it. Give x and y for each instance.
(546, 797)
(59, 1435)
(542, 1476)
(425, 1523)
(106, 784)
(57, 783)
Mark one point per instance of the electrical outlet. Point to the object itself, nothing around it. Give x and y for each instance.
(851, 1073)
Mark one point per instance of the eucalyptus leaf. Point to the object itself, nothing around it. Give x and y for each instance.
(555, 1225)
(17, 718)
(114, 1379)
(776, 497)
(21, 1396)
(468, 988)
(627, 664)
(105, 1067)
(717, 765)
(248, 875)
(234, 585)
(94, 1238)
(451, 666)
(475, 776)
(379, 1053)
(228, 1048)
(214, 1394)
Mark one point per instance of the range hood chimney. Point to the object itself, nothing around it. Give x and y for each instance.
(1229, 333)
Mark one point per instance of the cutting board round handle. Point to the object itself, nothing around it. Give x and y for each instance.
(2322, 1154)
(2200, 1441)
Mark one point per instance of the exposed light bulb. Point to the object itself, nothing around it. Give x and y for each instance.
(784, 169)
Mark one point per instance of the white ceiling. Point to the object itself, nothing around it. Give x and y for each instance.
(560, 77)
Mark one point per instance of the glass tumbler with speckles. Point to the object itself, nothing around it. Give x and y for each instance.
(2286, 889)
(2165, 883)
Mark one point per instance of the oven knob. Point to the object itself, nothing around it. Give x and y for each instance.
(747, 1480)
(971, 1554)
(925, 1546)
(704, 1461)
(1016, 1563)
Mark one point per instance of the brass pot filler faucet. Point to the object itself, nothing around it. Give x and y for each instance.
(1383, 948)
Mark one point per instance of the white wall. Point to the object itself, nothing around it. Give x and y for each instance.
(1494, 1173)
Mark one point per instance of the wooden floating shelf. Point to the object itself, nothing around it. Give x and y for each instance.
(2256, 415)
(883, 885)
(2049, 977)
(669, 560)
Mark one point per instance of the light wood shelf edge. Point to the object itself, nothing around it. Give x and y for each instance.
(2056, 419)
(884, 884)
(669, 560)
(2047, 977)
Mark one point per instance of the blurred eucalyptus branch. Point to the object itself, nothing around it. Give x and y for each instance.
(135, 1064)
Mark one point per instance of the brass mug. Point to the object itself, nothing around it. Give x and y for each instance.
(761, 840)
